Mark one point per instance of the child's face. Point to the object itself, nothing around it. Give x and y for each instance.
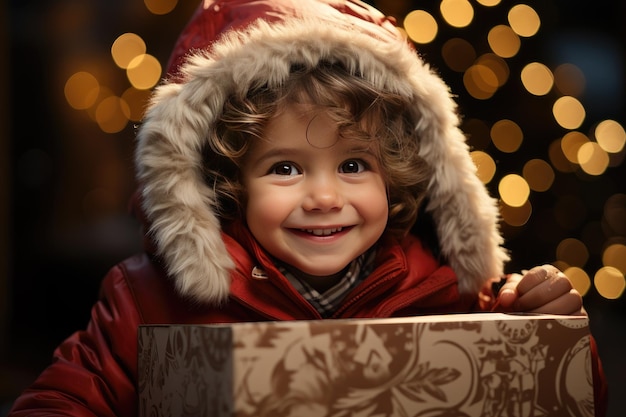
(317, 203)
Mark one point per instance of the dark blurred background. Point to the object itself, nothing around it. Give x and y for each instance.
(68, 121)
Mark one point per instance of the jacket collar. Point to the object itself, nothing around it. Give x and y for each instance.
(405, 274)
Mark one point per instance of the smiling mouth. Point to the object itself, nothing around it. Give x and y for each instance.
(322, 232)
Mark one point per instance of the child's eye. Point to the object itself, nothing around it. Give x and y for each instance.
(284, 168)
(353, 166)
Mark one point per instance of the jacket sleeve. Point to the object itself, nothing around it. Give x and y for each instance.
(93, 372)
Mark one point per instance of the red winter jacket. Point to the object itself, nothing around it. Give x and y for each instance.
(94, 372)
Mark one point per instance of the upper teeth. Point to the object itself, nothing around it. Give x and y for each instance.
(323, 232)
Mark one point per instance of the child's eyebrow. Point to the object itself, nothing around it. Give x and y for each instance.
(275, 153)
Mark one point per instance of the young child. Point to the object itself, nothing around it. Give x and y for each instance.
(300, 162)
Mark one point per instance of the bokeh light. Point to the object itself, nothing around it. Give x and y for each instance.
(610, 135)
(82, 90)
(457, 13)
(420, 26)
(593, 159)
(558, 159)
(503, 41)
(506, 135)
(514, 190)
(160, 7)
(112, 114)
(571, 144)
(609, 282)
(126, 48)
(480, 82)
(539, 175)
(103, 93)
(144, 72)
(573, 252)
(579, 278)
(497, 65)
(615, 255)
(458, 54)
(568, 112)
(524, 20)
(537, 79)
(488, 3)
(516, 216)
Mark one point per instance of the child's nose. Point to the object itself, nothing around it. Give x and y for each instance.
(323, 195)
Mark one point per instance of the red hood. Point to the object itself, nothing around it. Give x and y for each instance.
(213, 18)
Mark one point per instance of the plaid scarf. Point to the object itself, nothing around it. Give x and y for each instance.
(329, 301)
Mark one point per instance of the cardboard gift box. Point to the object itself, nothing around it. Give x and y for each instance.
(485, 364)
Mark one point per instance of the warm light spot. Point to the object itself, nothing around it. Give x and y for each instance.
(516, 216)
(458, 54)
(506, 135)
(569, 80)
(112, 114)
(81, 90)
(497, 65)
(610, 136)
(615, 214)
(485, 166)
(144, 72)
(420, 26)
(539, 175)
(557, 158)
(458, 13)
(514, 190)
(568, 112)
(571, 143)
(593, 159)
(480, 82)
(579, 278)
(609, 282)
(103, 93)
(615, 256)
(524, 20)
(160, 7)
(537, 79)
(573, 252)
(137, 101)
(488, 3)
(503, 41)
(126, 48)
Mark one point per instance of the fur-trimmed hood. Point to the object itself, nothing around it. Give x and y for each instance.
(230, 46)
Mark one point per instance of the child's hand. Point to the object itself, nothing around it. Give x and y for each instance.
(543, 289)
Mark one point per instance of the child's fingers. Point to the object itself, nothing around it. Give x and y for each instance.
(543, 294)
(567, 304)
(539, 276)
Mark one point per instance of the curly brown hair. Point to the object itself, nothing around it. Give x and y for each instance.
(360, 111)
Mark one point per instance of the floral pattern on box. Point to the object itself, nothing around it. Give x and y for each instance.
(510, 367)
